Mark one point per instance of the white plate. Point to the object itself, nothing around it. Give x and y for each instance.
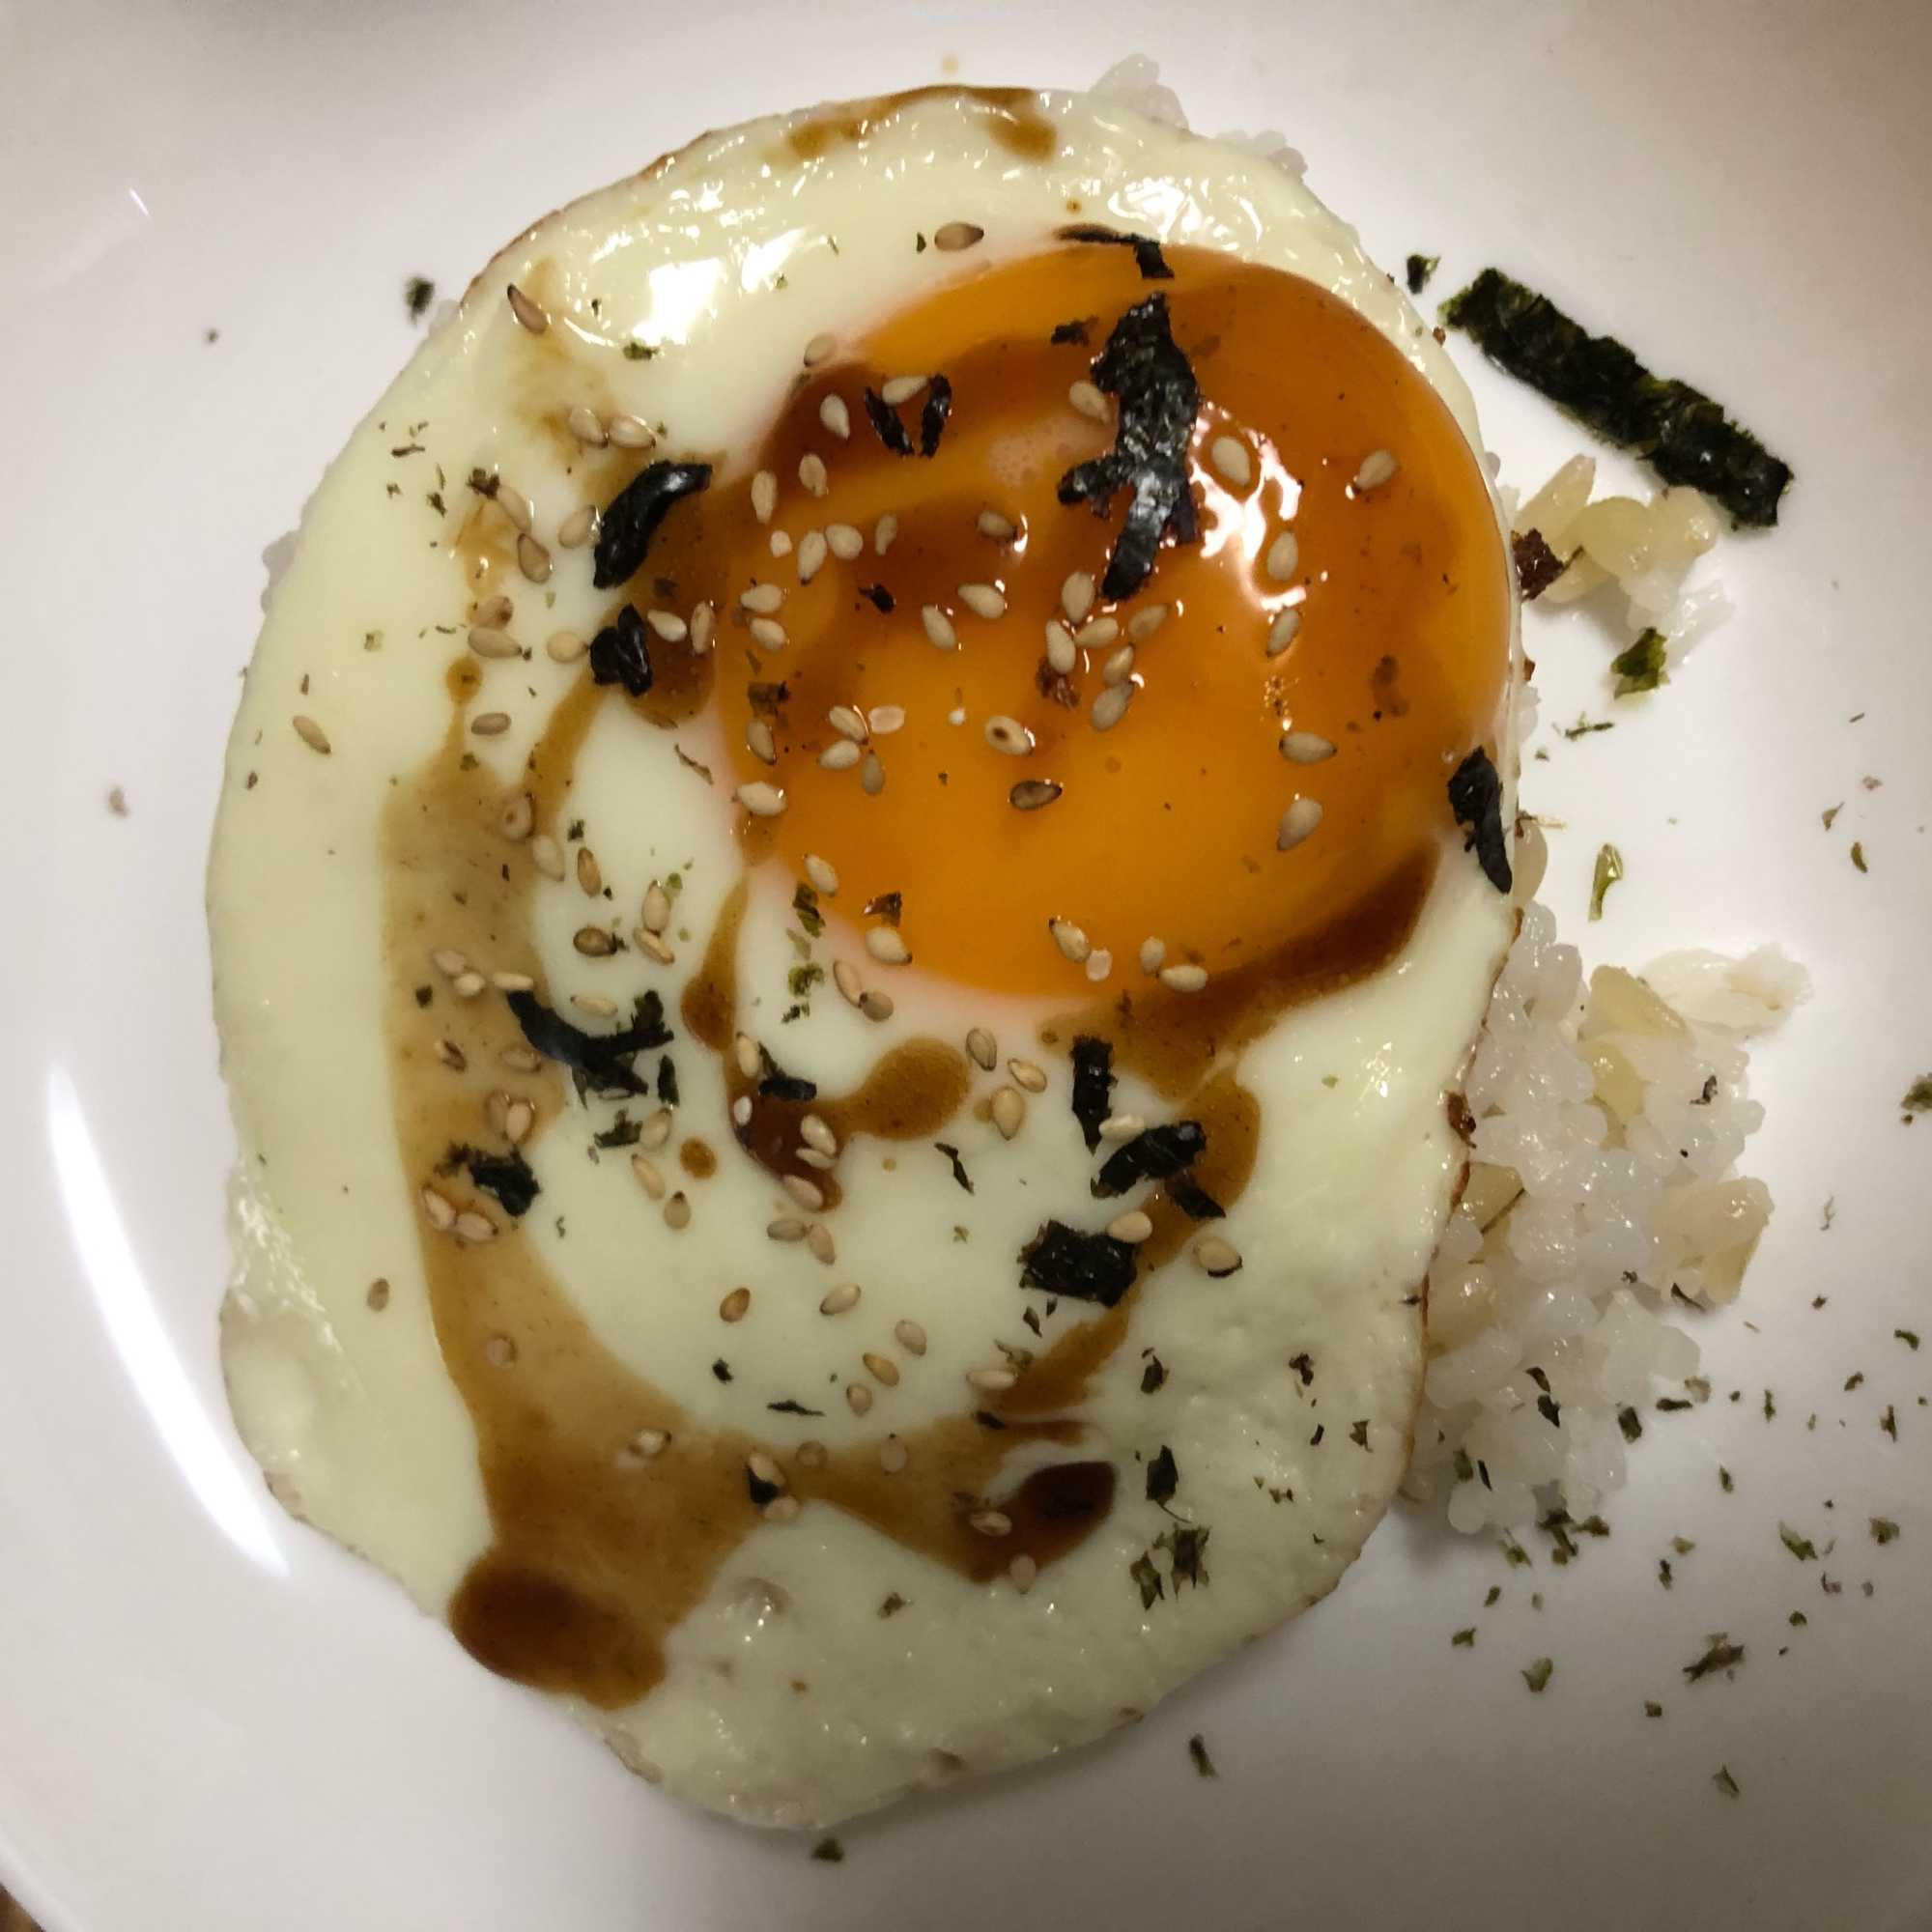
(211, 1719)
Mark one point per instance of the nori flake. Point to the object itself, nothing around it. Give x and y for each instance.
(1641, 667)
(959, 1173)
(776, 1084)
(1188, 1546)
(1537, 565)
(1192, 1199)
(760, 1492)
(1721, 1656)
(632, 515)
(881, 598)
(506, 1175)
(1092, 1086)
(667, 1080)
(1073, 331)
(1153, 1375)
(619, 653)
(1162, 1477)
(1476, 798)
(1153, 1155)
(1418, 271)
(1679, 432)
(885, 419)
(1145, 369)
(602, 1062)
(1148, 258)
(1061, 1260)
(623, 1132)
(790, 1407)
(932, 415)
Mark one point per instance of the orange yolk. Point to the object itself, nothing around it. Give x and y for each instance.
(1165, 825)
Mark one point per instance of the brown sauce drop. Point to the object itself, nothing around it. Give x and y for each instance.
(1011, 116)
(697, 1159)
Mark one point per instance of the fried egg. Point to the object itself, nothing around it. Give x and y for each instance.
(861, 858)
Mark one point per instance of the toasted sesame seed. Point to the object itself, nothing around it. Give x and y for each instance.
(1296, 823)
(859, 1397)
(494, 614)
(835, 416)
(1099, 963)
(872, 775)
(1089, 401)
(677, 1212)
(885, 945)
(982, 1049)
(1143, 624)
(1184, 978)
(489, 644)
(655, 915)
(1062, 653)
(992, 1523)
(1377, 466)
(991, 523)
(1122, 1128)
(847, 723)
(594, 942)
(741, 1110)
(564, 647)
(667, 625)
(578, 528)
(812, 551)
(938, 628)
(897, 389)
(512, 982)
(440, 1212)
(646, 1446)
(840, 756)
(1024, 1571)
(585, 426)
(473, 1225)
(809, 1197)
(629, 433)
(547, 855)
(840, 1298)
(1305, 748)
(783, 1510)
(519, 1118)
(1119, 667)
(761, 800)
(846, 977)
(823, 878)
(819, 347)
(1009, 735)
(1284, 631)
(1282, 556)
(811, 474)
(764, 494)
(1133, 1227)
(451, 1055)
(655, 1130)
(594, 1004)
(704, 626)
(911, 1337)
(768, 633)
(760, 1464)
(515, 505)
(819, 1239)
(1110, 706)
(884, 720)
(1216, 1257)
(1028, 1075)
(489, 724)
(884, 531)
(1072, 941)
(589, 874)
(810, 1455)
(466, 985)
(883, 1369)
(653, 945)
(992, 1376)
(1152, 953)
(814, 1131)
(527, 311)
(1076, 597)
(894, 1455)
(1009, 1111)
(956, 235)
(533, 560)
(1230, 456)
(760, 742)
(1031, 794)
(734, 1308)
(983, 601)
(1097, 633)
(520, 1059)
(311, 734)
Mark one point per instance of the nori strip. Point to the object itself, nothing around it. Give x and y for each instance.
(1084, 1268)
(601, 1061)
(1192, 1199)
(506, 1175)
(1145, 369)
(1679, 432)
(776, 1084)
(1476, 798)
(789, 1407)
(632, 519)
(938, 406)
(1092, 1086)
(881, 598)
(884, 419)
(1537, 565)
(1162, 1477)
(1148, 258)
(620, 654)
(959, 1173)
(1073, 331)
(667, 1080)
(1152, 1156)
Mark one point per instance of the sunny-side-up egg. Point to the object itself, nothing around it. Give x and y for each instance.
(863, 854)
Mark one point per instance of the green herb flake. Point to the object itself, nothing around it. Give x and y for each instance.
(1770, 1406)
(1721, 1777)
(1722, 1655)
(1583, 727)
(1906, 1336)
(1197, 1749)
(1143, 1572)
(894, 1603)
(802, 978)
(635, 352)
(1884, 1529)
(1466, 1637)
(1651, 1710)
(1800, 1547)
(1854, 1380)
(1513, 1551)
(424, 995)
(1641, 667)
(1663, 1576)
(1797, 1620)
(1919, 1097)
(1889, 1422)
(805, 904)
(1859, 856)
(418, 292)
(1831, 813)
(827, 1851)
(1608, 870)
(371, 641)
(1495, 1591)
(1418, 271)
(1538, 1674)
(1724, 1481)
(1682, 1545)
(1631, 1422)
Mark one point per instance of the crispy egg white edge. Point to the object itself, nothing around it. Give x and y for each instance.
(335, 1402)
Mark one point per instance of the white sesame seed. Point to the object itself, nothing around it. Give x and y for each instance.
(1009, 1111)
(991, 523)
(745, 1049)
(847, 723)
(838, 1299)
(876, 1006)
(1098, 635)
(764, 495)
(655, 1130)
(1216, 1257)
(1009, 735)
(667, 625)
(886, 945)
(897, 389)
(938, 628)
(761, 1466)
(311, 734)
(1230, 456)
(835, 416)
(760, 742)
(1089, 401)
(911, 1337)
(595, 1005)
(872, 775)
(592, 941)
(1152, 953)
(1284, 630)
(585, 427)
(578, 528)
(982, 600)
(884, 720)
(781, 1510)
(993, 1377)
(466, 985)
(1026, 1073)
(1119, 667)
(819, 1239)
(1062, 653)
(958, 715)
(823, 1162)
(521, 1059)
(1117, 1128)
(786, 1228)
(982, 1049)
(823, 878)
(652, 947)
(819, 347)
(1184, 978)
(734, 1308)
(761, 800)
(840, 756)
(882, 1368)
(1099, 963)
(646, 1446)
(512, 982)
(533, 560)
(808, 1195)
(564, 647)
(1143, 624)
(1024, 1571)
(527, 311)
(814, 1131)
(494, 614)
(1284, 554)
(992, 1523)
(741, 1110)
(515, 505)
(655, 915)
(812, 551)
(768, 634)
(589, 874)
(519, 1118)
(884, 531)
(845, 976)
(440, 1212)
(894, 1455)
(1305, 748)
(1076, 596)
(489, 644)
(547, 855)
(1110, 706)
(629, 433)
(472, 1225)
(703, 627)
(845, 541)
(1033, 794)
(1133, 1227)
(449, 962)
(859, 1397)
(1071, 941)
(811, 474)
(1296, 823)
(781, 543)
(1377, 466)
(489, 724)
(956, 235)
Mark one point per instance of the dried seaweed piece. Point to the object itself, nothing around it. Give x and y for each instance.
(1192, 1199)
(633, 514)
(959, 1173)
(1151, 1155)
(791, 1406)
(1148, 258)
(933, 413)
(601, 1062)
(1476, 798)
(1679, 432)
(1537, 565)
(1092, 1086)
(506, 1175)
(1162, 1477)
(1641, 667)
(1073, 331)
(1061, 1260)
(880, 597)
(620, 654)
(760, 1492)
(1147, 1578)
(1185, 1546)
(1721, 1656)
(1145, 369)
(776, 1084)
(1418, 271)
(885, 419)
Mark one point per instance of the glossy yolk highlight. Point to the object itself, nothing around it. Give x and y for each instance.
(1166, 824)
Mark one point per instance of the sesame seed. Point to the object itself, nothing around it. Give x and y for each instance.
(859, 1397)
(810, 1455)
(1070, 940)
(745, 1049)
(449, 962)
(982, 600)
(768, 633)
(1377, 466)
(764, 495)
(1024, 1571)
(886, 945)
(311, 733)
(1099, 963)
(938, 629)
(578, 528)
(489, 644)
(884, 531)
(823, 878)
(819, 347)
(1089, 401)
(1009, 1111)
(815, 1133)
(489, 724)
(646, 1445)
(585, 427)
(835, 416)
(1216, 1257)
(1110, 706)
(760, 742)
(838, 1299)
(812, 551)
(519, 1118)
(1143, 624)
(564, 647)
(667, 625)
(1296, 823)
(897, 389)
(811, 474)
(527, 311)
(1119, 667)
(677, 1212)
(894, 1455)
(1305, 748)
(628, 433)
(494, 614)
(704, 626)
(1229, 457)
(847, 723)
(1133, 1227)
(656, 913)
(1009, 735)
(1152, 953)
(1062, 653)
(1028, 1075)
(741, 1110)
(992, 1523)
(451, 1055)
(840, 756)
(521, 1059)
(1117, 1128)
(872, 775)
(883, 1369)
(466, 985)
(876, 1006)
(1076, 596)
(594, 1004)
(982, 1049)
(757, 1461)
(761, 800)
(780, 543)
(734, 1308)
(594, 942)
(846, 977)
(440, 1212)
(1284, 629)
(991, 523)
(1284, 554)
(1031, 794)
(956, 235)
(911, 1337)
(886, 719)
(807, 1196)
(656, 1128)
(474, 1225)
(819, 1239)
(512, 982)
(1183, 978)
(845, 541)
(589, 874)
(958, 715)
(992, 1376)
(547, 855)
(1098, 635)
(781, 1510)
(515, 505)
(533, 560)
(653, 945)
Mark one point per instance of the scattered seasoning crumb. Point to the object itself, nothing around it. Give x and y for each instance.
(1722, 1655)
(1831, 813)
(1610, 868)
(418, 292)
(1631, 1422)
(117, 803)
(1889, 1422)
(1724, 1781)
(1651, 1710)
(1770, 1406)
(829, 1852)
(1724, 1481)
(1664, 1572)
(1418, 271)
(1919, 1095)
(892, 1605)
(1466, 1637)
(1800, 1546)
(1538, 1674)
(1883, 1529)
(1495, 1591)
(1641, 667)
(1859, 856)
(1906, 1336)
(1513, 1551)
(1197, 1749)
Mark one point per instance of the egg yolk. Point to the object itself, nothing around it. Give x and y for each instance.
(1164, 804)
